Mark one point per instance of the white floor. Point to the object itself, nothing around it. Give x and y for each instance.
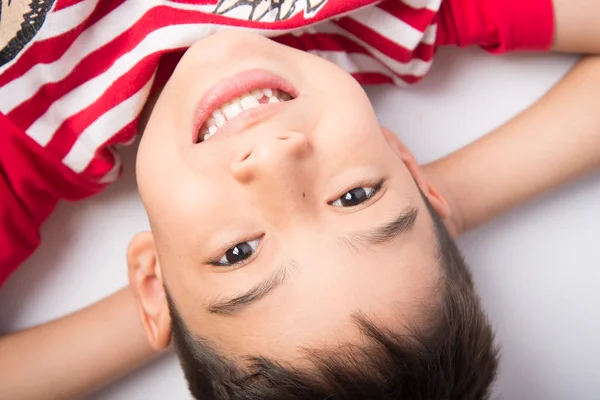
(537, 269)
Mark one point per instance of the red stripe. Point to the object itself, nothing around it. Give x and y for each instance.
(322, 42)
(424, 52)
(376, 78)
(96, 63)
(379, 42)
(100, 60)
(410, 79)
(326, 42)
(123, 88)
(49, 50)
(52, 49)
(290, 41)
(60, 4)
(372, 78)
(103, 162)
(419, 19)
(334, 42)
(344, 43)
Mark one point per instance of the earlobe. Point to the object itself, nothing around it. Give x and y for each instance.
(145, 280)
(433, 195)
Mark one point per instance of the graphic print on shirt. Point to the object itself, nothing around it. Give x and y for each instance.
(268, 10)
(20, 20)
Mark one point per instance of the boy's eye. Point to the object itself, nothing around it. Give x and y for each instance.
(238, 253)
(354, 197)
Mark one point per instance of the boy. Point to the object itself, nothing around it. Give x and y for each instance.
(295, 255)
(250, 174)
(75, 90)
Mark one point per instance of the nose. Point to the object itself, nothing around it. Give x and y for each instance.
(273, 157)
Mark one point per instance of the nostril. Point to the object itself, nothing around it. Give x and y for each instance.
(244, 157)
(243, 170)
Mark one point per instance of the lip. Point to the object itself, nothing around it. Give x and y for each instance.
(235, 86)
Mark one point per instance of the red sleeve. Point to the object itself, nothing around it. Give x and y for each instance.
(497, 26)
(31, 183)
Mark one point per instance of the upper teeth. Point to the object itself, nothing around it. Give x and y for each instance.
(234, 107)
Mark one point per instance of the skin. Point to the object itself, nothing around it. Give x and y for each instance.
(76, 354)
(274, 180)
(577, 27)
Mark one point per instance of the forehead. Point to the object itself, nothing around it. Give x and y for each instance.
(390, 284)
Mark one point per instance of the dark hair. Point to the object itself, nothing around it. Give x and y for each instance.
(454, 357)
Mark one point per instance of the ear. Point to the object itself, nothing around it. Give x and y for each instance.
(146, 282)
(433, 195)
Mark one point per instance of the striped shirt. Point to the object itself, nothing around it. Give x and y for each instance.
(74, 79)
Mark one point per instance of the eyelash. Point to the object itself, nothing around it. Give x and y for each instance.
(377, 186)
(216, 262)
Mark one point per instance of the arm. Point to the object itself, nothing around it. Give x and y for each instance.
(76, 354)
(577, 26)
(503, 26)
(552, 142)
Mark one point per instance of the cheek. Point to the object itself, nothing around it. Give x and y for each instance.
(349, 122)
(351, 142)
(185, 210)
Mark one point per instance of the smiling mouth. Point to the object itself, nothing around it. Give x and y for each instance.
(232, 109)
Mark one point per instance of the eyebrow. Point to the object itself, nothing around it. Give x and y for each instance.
(234, 305)
(401, 224)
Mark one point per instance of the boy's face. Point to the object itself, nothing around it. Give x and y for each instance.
(271, 234)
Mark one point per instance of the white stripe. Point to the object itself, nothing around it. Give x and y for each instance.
(166, 38)
(205, 8)
(169, 37)
(119, 20)
(430, 34)
(416, 4)
(414, 67)
(19, 90)
(102, 129)
(109, 27)
(357, 62)
(64, 20)
(113, 174)
(389, 26)
(432, 5)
